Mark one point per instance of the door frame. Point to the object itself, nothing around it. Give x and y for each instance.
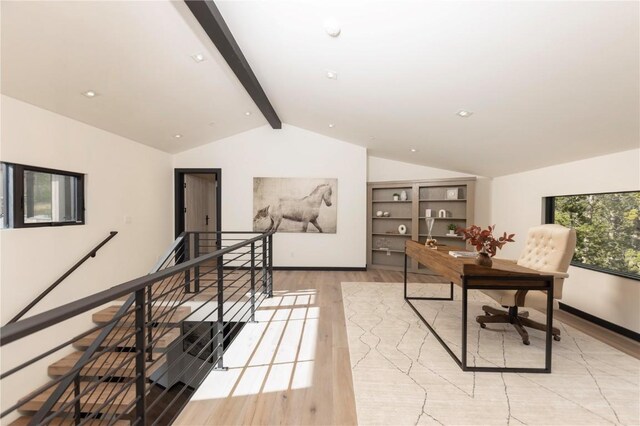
(179, 196)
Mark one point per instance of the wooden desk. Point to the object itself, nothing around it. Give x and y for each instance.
(503, 275)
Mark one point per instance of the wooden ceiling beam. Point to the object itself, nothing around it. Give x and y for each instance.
(211, 20)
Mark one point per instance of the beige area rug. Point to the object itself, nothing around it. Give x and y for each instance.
(403, 376)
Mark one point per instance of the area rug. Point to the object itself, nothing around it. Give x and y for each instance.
(403, 376)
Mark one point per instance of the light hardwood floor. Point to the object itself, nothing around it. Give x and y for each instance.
(330, 398)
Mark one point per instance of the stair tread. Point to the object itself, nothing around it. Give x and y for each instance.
(24, 421)
(96, 397)
(175, 317)
(102, 365)
(168, 337)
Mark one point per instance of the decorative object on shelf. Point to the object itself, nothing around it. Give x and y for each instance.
(386, 214)
(379, 213)
(396, 197)
(442, 213)
(452, 193)
(427, 213)
(381, 244)
(291, 204)
(431, 242)
(452, 229)
(402, 229)
(403, 196)
(484, 242)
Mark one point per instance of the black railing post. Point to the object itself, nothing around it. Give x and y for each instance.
(264, 265)
(187, 273)
(196, 269)
(253, 282)
(149, 328)
(76, 394)
(141, 343)
(271, 265)
(220, 322)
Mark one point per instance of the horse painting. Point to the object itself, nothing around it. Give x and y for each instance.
(305, 210)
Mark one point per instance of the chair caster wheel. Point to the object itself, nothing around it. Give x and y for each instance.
(556, 338)
(483, 325)
(526, 342)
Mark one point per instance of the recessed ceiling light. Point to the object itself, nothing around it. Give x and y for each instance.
(90, 94)
(332, 75)
(248, 113)
(177, 136)
(331, 125)
(198, 57)
(463, 113)
(413, 150)
(332, 27)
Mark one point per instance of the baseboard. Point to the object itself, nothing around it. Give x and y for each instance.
(304, 268)
(601, 322)
(320, 268)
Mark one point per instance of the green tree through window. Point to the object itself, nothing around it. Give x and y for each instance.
(607, 228)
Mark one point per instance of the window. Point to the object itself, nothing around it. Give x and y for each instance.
(34, 196)
(607, 227)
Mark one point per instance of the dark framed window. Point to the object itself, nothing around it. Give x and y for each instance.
(36, 196)
(607, 227)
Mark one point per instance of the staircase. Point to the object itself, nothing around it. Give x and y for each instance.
(111, 372)
(144, 357)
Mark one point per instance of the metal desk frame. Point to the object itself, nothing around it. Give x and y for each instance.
(467, 284)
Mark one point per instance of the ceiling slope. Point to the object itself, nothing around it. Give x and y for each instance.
(137, 56)
(547, 82)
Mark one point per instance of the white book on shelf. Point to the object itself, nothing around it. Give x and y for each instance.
(462, 253)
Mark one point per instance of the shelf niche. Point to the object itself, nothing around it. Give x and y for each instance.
(385, 245)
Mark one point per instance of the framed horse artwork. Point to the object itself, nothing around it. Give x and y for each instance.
(295, 205)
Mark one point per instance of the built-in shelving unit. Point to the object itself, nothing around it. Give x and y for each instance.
(385, 244)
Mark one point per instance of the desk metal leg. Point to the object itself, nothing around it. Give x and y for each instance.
(405, 275)
(463, 346)
(549, 342)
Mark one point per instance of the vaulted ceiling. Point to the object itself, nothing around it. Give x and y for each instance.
(547, 82)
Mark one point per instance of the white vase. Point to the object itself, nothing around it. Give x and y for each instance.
(403, 196)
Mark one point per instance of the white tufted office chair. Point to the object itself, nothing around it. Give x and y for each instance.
(549, 249)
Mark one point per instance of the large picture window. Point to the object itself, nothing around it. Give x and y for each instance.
(34, 196)
(607, 227)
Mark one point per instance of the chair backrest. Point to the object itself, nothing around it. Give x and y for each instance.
(549, 248)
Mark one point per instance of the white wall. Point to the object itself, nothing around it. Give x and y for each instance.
(381, 170)
(123, 178)
(291, 152)
(517, 205)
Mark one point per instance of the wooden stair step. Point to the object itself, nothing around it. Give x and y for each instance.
(174, 318)
(24, 421)
(103, 365)
(90, 402)
(118, 333)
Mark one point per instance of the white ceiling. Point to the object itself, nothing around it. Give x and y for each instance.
(548, 82)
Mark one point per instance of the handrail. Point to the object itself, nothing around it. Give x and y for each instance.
(12, 332)
(97, 343)
(41, 296)
(157, 304)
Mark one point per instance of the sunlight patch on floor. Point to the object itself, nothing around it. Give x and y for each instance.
(274, 354)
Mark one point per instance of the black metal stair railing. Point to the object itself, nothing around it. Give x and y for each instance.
(146, 355)
(37, 299)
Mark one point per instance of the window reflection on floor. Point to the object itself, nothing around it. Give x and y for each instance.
(274, 354)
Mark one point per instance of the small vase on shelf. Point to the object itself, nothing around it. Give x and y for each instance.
(483, 259)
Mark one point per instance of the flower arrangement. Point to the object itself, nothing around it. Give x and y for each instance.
(483, 239)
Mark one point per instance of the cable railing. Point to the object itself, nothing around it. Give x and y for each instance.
(154, 339)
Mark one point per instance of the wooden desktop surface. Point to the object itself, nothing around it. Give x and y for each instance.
(455, 268)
